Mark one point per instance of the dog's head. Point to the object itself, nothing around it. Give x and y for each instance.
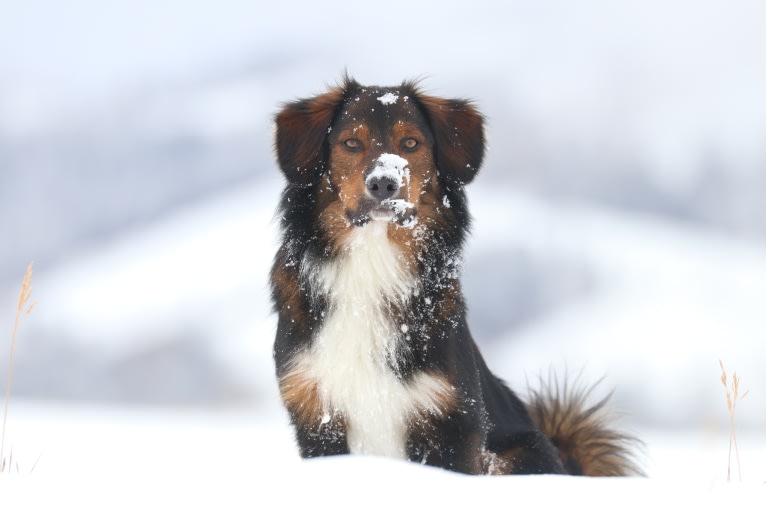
(379, 153)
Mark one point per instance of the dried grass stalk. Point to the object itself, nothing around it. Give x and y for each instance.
(732, 396)
(22, 306)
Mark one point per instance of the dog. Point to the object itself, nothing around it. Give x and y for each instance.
(373, 353)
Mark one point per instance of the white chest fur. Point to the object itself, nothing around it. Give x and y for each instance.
(351, 355)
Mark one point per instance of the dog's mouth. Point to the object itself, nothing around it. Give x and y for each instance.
(398, 211)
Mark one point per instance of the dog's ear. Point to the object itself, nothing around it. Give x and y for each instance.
(458, 130)
(301, 134)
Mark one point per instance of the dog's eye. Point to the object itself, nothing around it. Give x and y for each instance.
(352, 144)
(410, 144)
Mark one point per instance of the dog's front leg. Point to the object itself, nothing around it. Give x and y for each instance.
(529, 452)
(323, 437)
(320, 431)
(450, 442)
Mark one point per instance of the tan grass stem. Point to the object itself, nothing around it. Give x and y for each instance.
(732, 396)
(21, 307)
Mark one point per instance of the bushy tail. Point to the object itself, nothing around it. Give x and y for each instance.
(587, 444)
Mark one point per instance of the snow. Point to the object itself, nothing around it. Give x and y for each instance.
(394, 167)
(94, 457)
(592, 100)
(399, 207)
(391, 166)
(648, 304)
(662, 300)
(663, 303)
(389, 98)
(651, 105)
(662, 295)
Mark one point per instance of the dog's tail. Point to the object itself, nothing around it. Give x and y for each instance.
(587, 444)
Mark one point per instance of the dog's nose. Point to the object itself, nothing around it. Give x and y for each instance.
(382, 187)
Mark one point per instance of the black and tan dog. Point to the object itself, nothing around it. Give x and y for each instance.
(373, 352)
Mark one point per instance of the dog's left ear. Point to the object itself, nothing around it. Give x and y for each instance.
(302, 128)
(459, 136)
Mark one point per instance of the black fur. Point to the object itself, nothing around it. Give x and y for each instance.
(488, 430)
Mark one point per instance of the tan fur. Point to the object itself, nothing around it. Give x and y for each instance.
(347, 179)
(497, 463)
(581, 432)
(444, 399)
(301, 396)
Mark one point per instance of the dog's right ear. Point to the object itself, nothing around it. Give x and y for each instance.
(302, 129)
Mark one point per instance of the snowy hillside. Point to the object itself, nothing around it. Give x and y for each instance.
(649, 305)
(652, 306)
(137, 172)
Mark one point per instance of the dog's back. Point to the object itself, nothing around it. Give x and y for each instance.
(373, 351)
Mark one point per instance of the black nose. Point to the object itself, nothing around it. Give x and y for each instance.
(382, 187)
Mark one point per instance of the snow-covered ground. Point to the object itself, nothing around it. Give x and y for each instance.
(96, 457)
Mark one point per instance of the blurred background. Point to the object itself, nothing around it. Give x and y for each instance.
(620, 217)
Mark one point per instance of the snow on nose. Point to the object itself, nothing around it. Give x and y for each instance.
(388, 176)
